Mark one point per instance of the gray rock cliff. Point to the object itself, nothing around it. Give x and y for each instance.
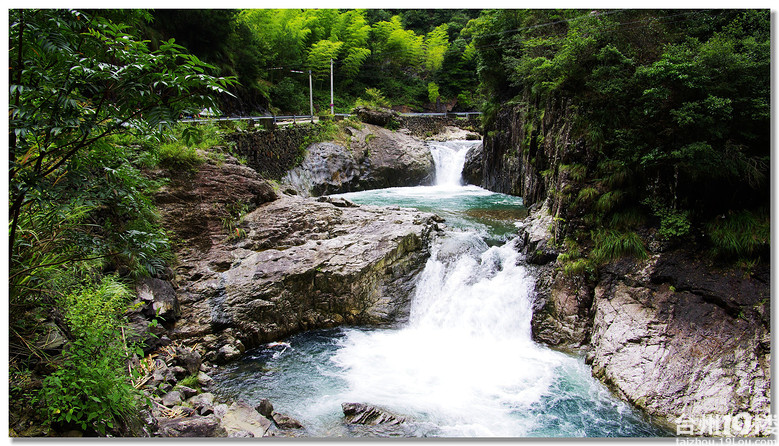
(376, 158)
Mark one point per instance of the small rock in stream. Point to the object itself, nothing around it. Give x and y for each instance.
(286, 422)
(358, 413)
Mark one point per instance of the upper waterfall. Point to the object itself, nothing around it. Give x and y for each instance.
(449, 158)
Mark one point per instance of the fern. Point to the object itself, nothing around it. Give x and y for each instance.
(586, 196)
(609, 200)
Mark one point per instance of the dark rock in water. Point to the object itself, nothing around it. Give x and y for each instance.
(359, 413)
(265, 408)
(226, 353)
(474, 165)
(286, 422)
(203, 379)
(194, 426)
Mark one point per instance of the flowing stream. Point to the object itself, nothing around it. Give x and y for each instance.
(464, 364)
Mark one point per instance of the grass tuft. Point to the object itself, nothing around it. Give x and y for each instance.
(612, 244)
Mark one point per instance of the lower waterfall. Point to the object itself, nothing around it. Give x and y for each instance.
(464, 364)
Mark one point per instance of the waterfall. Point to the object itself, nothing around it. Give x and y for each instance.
(465, 358)
(449, 158)
(464, 364)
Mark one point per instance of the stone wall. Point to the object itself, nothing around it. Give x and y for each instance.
(272, 152)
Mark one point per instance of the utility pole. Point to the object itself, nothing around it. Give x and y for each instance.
(311, 95)
(332, 105)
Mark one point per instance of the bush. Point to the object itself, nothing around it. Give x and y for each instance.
(91, 389)
(373, 99)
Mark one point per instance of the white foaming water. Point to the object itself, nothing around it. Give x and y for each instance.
(465, 361)
(464, 364)
(449, 158)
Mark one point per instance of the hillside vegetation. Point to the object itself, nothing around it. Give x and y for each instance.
(672, 109)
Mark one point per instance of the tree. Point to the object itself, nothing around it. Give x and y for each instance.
(76, 80)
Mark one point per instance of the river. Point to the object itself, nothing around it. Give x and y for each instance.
(464, 364)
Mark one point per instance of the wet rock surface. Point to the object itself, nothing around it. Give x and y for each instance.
(688, 340)
(365, 414)
(303, 264)
(673, 334)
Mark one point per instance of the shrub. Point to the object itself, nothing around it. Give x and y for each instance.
(91, 389)
(373, 98)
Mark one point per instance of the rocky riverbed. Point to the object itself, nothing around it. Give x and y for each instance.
(673, 334)
(256, 265)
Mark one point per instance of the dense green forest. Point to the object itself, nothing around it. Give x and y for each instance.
(416, 58)
(673, 107)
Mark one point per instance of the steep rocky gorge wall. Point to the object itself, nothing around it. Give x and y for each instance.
(525, 152)
(674, 334)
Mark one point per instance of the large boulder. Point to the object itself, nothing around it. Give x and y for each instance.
(683, 339)
(303, 264)
(196, 205)
(327, 168)
(375, 158)
(241, 420)
(474, 164)
(376, 116)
